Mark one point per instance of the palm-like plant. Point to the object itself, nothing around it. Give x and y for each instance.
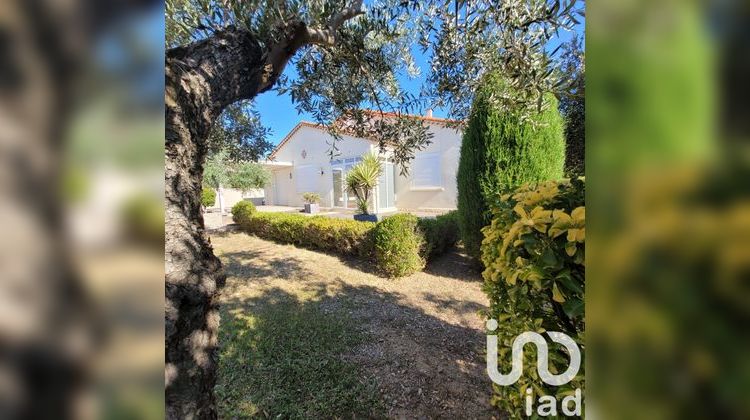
(362, 179)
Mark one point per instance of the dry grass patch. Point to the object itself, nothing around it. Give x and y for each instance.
(410, 347)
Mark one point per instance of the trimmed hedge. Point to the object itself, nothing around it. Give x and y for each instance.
(208, 197)
(337, 235)
(440, 234)
(242, 211)
(534, 251)
(399, 245)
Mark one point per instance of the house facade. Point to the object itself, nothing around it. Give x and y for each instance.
(302, 163)
(232, 196)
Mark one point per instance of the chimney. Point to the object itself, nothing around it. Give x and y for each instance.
(428, 114)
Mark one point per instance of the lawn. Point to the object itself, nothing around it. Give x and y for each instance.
(310, 335)
(284, 359)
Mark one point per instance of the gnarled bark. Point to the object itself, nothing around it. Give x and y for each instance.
(50, 325)
(201, 80)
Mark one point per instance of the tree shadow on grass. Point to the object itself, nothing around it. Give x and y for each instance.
(281, 357)
(255, 266)
(346, 351)
(458, 306)
(455, 264)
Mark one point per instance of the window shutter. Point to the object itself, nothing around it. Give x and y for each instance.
(426, 171)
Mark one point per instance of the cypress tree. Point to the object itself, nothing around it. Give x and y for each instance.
(500, 151)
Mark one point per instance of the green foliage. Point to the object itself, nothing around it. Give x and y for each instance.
(311, 197)
(216, 170)
(362, 179)
(440, 233)
(534, 251)
(397, 245)
(573, 107)
(208, 196)
(323, 233)
(245, 176)
(239, 132)
(501, 150)
(373, 46)
(242, 211)
(377, 45)
(142, 216)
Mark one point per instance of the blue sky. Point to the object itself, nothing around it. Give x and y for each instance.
(278, 113)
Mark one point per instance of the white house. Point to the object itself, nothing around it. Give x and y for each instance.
(232, 197)
(302, 163)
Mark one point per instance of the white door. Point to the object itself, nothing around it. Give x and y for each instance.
(339, 193)
(386, 187)
(283, 187)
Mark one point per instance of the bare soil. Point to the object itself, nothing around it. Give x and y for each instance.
(425, 340)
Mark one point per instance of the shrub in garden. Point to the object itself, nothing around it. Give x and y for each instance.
(440, 233)
(335, 235)
(534, 251)
(242, 211)
(501, 151)
(397, 244)
(281, 227)
(208, 197)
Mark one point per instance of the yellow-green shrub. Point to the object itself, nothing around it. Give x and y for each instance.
(242, 211)
(534, 254)
(208, 197)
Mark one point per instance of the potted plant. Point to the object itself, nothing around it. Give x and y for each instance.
(361, 181)
(312, 201)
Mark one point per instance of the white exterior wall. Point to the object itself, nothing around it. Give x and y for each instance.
(316, 144)
(446, 144)
(232, 197)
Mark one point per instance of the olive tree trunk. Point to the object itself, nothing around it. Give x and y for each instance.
(201, 80)
(51, 328)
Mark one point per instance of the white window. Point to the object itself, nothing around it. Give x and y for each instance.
(306, 178)
(426, 172)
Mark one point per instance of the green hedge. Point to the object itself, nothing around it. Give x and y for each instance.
(398, 245)
(242, 211)
(208, 197)
(534, 251)
(337, 235)
(440, 234)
